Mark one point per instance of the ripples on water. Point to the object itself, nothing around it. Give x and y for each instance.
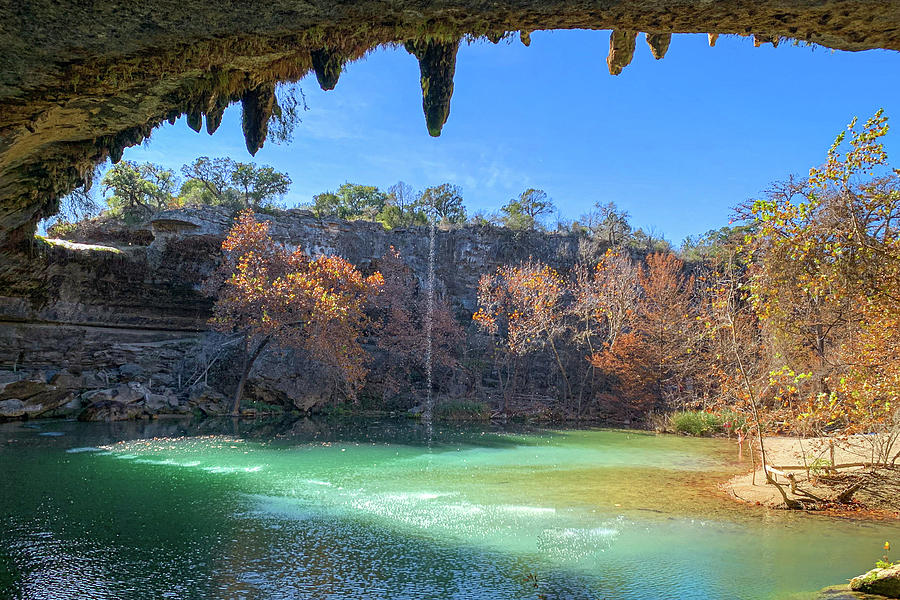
(314, 511)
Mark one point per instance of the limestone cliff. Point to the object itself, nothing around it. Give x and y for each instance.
(118, 331)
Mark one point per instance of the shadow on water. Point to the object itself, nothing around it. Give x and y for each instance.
(287, 429)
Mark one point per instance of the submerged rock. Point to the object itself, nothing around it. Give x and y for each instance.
(885, 582)
(843, 592)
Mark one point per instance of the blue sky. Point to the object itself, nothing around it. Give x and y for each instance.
(675, 142)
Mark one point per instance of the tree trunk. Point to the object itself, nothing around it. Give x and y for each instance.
(249, 359)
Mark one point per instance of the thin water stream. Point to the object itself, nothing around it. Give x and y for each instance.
(369, 510)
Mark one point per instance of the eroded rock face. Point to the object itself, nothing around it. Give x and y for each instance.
(79, 86)
(120, 335)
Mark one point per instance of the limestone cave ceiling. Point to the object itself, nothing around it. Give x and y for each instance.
(82, 80)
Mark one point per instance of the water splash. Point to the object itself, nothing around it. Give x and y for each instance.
(429, 324)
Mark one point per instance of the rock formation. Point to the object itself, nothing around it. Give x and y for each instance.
(437, 65)
(328, 66)
(119, 331)
(659, 44)
(621, 50)
(882, 581)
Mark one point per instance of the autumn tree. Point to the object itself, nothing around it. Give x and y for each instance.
(654, 339)
(269, 294)
(399, 314)
(826, 257)
(666, 319)
(605, 301)
(522, 308)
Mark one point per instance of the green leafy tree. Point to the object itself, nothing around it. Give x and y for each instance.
(444, 202)
(351, 201)
(138, 189)
(527, 211)
(259, 186)
(402, 208)
(224, 182)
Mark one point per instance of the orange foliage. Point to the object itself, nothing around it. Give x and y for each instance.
(271, 294)
(401, 310)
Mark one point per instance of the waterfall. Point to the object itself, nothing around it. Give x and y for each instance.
(429, 323)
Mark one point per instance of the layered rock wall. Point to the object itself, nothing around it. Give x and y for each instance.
(124, 330)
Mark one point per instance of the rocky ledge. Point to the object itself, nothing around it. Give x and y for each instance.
(883, 582)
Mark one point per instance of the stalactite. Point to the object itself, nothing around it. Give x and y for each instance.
(258, 105)
(525, 36)
(195, 120)
(437, 65)
(214, 114)
(328, 66)
(760, 39)
(712, 38)
(621, 50)
(659, 43)
(495, 36)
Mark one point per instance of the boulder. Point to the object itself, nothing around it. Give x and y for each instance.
(885, 582)
(156, 403)
(12, 408)
(66, 380)
(131, 371)
(110, 410)
(209, 400)
(24, 388)
(130, 392)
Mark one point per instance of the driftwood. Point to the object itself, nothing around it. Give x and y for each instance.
(825, 467)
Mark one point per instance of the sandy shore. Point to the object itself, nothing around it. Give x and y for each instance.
(808, 460)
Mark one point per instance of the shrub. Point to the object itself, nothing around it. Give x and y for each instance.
(462, 410)
(697, 422)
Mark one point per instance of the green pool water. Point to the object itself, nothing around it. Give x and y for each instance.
(218, 510)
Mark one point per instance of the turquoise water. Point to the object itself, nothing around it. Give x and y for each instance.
(392, 510)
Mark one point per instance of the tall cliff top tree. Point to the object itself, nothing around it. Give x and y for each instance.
(444, 203)
(825, 278)
(270, 295)
(225, 182)
(139, 188)
(527, 211)
(350, 201)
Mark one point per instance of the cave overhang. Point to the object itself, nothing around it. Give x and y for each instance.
(79, 86)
